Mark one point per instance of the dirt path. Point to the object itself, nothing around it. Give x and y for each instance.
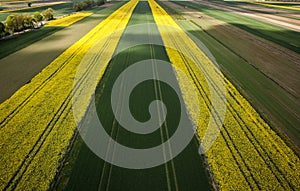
(277, 20)
(19, 68)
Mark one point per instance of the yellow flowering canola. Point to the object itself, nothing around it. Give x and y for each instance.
(37, 122)
(248, 154)
(69, 20)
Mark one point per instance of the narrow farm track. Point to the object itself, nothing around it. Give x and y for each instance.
(89, 172)
(243, 130)
(20, 175)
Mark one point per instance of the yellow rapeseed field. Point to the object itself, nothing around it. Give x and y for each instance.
(69, 20)
(248, 154)
(37, 122)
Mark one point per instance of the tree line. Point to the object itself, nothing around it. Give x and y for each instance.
(19, 22)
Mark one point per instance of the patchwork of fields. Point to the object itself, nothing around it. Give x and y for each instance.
(235, 144)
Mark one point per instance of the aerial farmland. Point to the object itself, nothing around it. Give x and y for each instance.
(149, 95)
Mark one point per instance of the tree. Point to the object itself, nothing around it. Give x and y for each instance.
(27, 21)
(89, 3)
(11, 24)
(19, 22)
(48, 14)
(37, 16)
(76, 7)
(99, 2)
(86, 4)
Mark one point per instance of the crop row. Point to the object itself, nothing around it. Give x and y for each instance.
(247, 154)
(69, 20)
(37, 122)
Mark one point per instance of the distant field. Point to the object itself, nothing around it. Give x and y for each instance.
(286, 38)
(59, 9)
(69, 20)
(259, 8)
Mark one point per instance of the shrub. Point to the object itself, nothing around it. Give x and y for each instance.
(27, 21)
(87, 4)
(37, 16)
(99, 2)
(11, 24)
(48, 14)
(90, 3)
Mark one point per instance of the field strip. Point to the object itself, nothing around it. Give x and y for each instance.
(262, 11)
(42, 109)
(116, 127)
(69, 20)
(253, 15)
(272, 16)
(26, 8)
(278, 6)
(247, 154)
(114, 133)
(268, 56)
